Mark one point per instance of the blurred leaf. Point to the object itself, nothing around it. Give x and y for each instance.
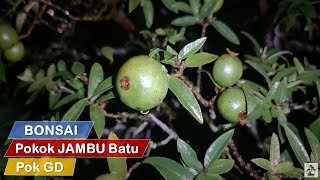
(133, 4)
(220, 166)
(266, 116)
(188, 155)
(263, 163)
(251, 99)
(191, 48)
(199, 59)
(111, 176)
(26, 76)
(184, 21)
(105, 97)
(75, 83)
(186, 98)
(168, 4)
(148, 12)
(257, 46)
(104, 86)
(33, 96)
(283, 73)
(181, 6)
(272, 92)
(207, 8)
(171, 51)
(282, 93)
(107, 51)
(95, 78)
(54, 99)
(3, 163)
(20, 20)
(253, 86)
(226, 31)
(274, 151)
(315, 127)
(65, 100)
(296, 172)
(37, 85)
(217, 6)
(284, 167)
(52, 70)
(256, 113)
(282, 119)
(117, 165)
(195, 6)
(273, 177)
(309, 75)
(40, 74)
(97, 116)
(276, 55)
(203, 176)
(314, 143)
(75, 111)
(77, 68)
(168, 168)
(217, 147)
(285, 156)
(298, 65)
(61, 66)
(258, 68)
(297, 146)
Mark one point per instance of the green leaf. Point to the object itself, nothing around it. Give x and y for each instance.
(171, 51)
(217, 147)
(61, 66)
(207, 8)
(188, 155)
(284, 167)
(26, 76)
(109, 95)
(181, 6)
(266, 116)
(257, 46)
(296, 172)
(184, 21)
(274, 151)
(168, 168)
(251, 99)
(258, 68)
(284, 73)
(315, 127)
(272, 92)
(276, 55)
(52, 70)
(226, 32)
(3, 163)
(256, 113)
(263, 163)
(200, 59)
(107, 51)
(75, 83)
(282, 93)
(297, 146)
(314, 143)
(104, 86)
(309, 75)
(282, 119)
(78, 68)
(75, 111)
(217, 6)
(221, 166)
(298, 65)
(95, 78)
(37, 85)
(191, 48)
(53, 99)
(117, 165)
(97, 116)
(203, 176)
(148, 12)
(273, 177)
(133, 4)
(186, 98)
(195, 6)
(65, 100)
(33, 96)
(168, 4)
(253, 86)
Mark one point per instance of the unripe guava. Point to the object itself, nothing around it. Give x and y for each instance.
(15, 53)
(142, 83)
(8, 36)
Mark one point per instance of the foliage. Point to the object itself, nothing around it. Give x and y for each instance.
(271, 82)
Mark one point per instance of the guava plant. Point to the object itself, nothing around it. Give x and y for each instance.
(171, 78)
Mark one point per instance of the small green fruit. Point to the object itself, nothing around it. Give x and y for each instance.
(227, 70)
(15, 53)
(8, 36)
(231, 103)
(142, 83)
